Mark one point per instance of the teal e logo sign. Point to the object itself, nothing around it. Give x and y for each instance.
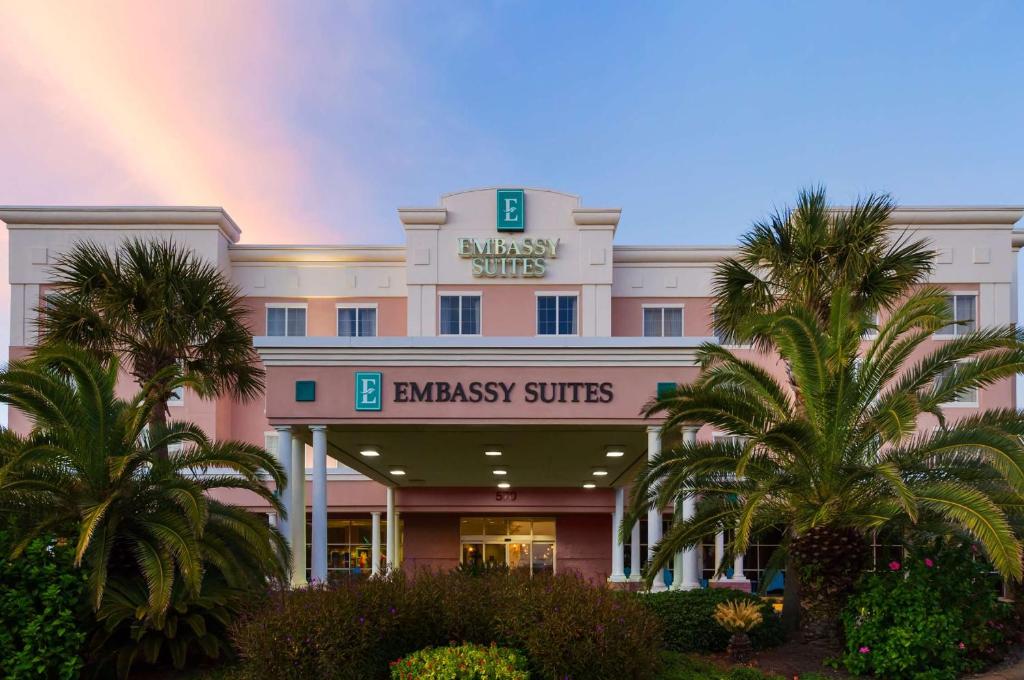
(511, 210)
(368, 391)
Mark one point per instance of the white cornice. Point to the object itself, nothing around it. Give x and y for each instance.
(423, 217)
(313, 253)
(488, 351)
(120, 217)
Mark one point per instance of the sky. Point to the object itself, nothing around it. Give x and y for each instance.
(312, 122)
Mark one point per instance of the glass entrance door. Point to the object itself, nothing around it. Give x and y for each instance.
(516, 543)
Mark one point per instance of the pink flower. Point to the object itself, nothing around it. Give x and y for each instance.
(864, 650)
(894, 565)
(961, 645)
(928, 562)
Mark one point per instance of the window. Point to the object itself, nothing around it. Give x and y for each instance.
(755, 561)
(968, 397)
(286, 320)
(663, 322)
(349, 546)
(874, 320)
(962, 308)
(357, 321)
(556, 315)
(668, 572)
(177, 397)
(724, 339)
(516, 543)
(460, 315)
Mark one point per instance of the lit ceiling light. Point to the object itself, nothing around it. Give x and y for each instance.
(600, 473)
(397, 471)
(589, 485)
(503, 485)
(499, 471)
(492, 451)
(614, 452)
(368, 452)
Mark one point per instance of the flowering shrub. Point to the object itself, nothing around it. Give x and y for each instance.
(935, 614)
(563, 626)
(688, 625)
(465, 662)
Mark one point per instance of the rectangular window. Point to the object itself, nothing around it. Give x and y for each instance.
(556, 315)
(177, 397)
(357, 322)
(967, 397)
(872, 333)
(724, 339)
(460, 315)
(285, 320)
(962, 308)
(663, 322)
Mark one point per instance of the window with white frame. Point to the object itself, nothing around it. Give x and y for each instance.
(724, 339)
(357, 321)
(663, 322)
(286, 320)
(963, 398)
(556, 315)
(460, 314)
(962, 308)
(177, 397)
(872, 332)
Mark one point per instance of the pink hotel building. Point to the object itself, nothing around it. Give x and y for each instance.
(474, 396)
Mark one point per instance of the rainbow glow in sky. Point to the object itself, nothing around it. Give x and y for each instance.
(312, 122)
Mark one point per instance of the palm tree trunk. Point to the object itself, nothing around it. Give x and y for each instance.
(791, 598)
(157, 422)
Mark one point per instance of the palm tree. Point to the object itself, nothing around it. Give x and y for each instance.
(800, 256)
(91, 470)
(154, 305)
(850, 459)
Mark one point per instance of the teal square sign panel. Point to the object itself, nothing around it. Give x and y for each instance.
(368, 386)
(665, 389)
(305, 390)
(511, 210)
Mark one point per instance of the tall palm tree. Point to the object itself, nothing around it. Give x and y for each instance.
(154, 304)
(851, 459)
(91, 470)
(800, 256)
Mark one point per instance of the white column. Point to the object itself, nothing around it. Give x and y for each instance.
(677, 560)
(691, 572)
(719, 552)
(737, 569)
(297, 512)
(375, 544)
(284, 458)
(392, 546)
(618, 549)
(319, 547)
(654, 514)
(634, 553)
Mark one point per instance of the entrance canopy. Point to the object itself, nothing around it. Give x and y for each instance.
(426, 411)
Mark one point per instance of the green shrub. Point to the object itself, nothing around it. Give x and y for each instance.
(565, 627)
(465, 662)
(688, 624)
(679, 666)
(932, 616)
(42, 615)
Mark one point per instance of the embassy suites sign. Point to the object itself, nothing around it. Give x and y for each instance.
(508, 257)
(479, 392)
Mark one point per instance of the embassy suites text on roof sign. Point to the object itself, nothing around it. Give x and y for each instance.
(508, 257)
(495, 391)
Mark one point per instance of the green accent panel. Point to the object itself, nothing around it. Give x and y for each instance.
(368, 386)
(305, 390)
(511, 210)
(665, 389)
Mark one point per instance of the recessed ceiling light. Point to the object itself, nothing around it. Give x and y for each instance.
(589, 485)
(492, 451)
(614, 452)
(397, 471)
(368, 452)
(600, 473)
(503, 485)
(499, 471)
